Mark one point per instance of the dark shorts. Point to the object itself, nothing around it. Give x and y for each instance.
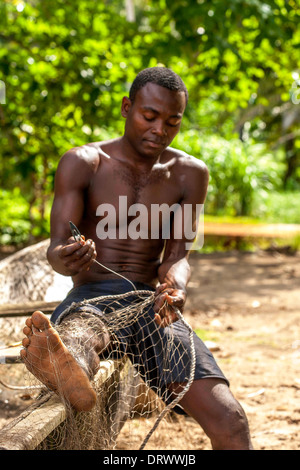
(162, 356)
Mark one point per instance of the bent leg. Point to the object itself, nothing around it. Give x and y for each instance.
(47, 356)
(210, 402)
(86, 337)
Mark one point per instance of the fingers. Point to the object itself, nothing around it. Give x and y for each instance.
(160, 301)
(71, 247)
(161, 287)
(175, 300)
(165, 317)
(164, 313)
(167, 300)
(85, 253)
(171, 296)
(78, 256)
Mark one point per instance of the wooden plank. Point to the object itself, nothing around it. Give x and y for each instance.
(16, 310)
(33, 426)
(29, 430)
(251, 230)
(11, 355)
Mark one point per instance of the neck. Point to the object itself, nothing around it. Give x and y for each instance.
(131, 155)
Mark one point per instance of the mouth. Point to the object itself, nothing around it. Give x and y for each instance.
(154, 144)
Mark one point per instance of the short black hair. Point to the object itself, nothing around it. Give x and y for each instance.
(161, 76)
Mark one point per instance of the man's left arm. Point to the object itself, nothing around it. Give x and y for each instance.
(174, 271)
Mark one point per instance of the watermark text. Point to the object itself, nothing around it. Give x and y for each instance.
(153, 222)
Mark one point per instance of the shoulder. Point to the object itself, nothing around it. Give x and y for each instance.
(77, 167)
(191, 174)
(188, 164)
(85, 157)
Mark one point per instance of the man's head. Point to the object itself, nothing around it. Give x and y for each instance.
(154, 110)
(161, 76)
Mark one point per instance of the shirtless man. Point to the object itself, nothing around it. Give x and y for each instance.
(141, 166)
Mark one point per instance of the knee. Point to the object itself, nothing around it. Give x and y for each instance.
(232, 430)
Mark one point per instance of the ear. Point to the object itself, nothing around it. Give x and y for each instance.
(126, 105)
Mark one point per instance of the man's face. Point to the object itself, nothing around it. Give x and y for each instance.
(153, 119)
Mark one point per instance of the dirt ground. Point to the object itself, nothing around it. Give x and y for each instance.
(248, 305)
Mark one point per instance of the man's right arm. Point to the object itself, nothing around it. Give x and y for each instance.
(73, 176)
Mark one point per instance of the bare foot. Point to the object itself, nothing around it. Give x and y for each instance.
(48, 359)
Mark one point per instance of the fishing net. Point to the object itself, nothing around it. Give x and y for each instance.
(138, 364)
(130, 384)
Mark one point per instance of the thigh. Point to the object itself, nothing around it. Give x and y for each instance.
(208, 401)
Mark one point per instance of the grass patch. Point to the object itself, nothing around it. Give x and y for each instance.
(207, 335)
(228, 219)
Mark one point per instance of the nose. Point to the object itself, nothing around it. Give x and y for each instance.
(159, 128)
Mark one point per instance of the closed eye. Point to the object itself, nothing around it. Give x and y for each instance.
(149, 119)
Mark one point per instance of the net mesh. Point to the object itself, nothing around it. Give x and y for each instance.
(144, 369)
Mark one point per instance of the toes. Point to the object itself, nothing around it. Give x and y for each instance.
(25, 342)
(27, 331)
(23, 353)
(28, 322)
(40, 320)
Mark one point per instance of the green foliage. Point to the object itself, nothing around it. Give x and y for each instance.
(277, 206)
(15, 224)
(238, 171)
(67, 65)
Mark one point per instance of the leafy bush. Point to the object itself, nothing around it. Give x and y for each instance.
(15, 223)
(278, 207)
(237, 171)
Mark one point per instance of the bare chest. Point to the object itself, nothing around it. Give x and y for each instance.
(113, 181)
(132, 204)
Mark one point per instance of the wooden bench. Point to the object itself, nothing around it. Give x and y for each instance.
(27, 308)
(34, 426)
